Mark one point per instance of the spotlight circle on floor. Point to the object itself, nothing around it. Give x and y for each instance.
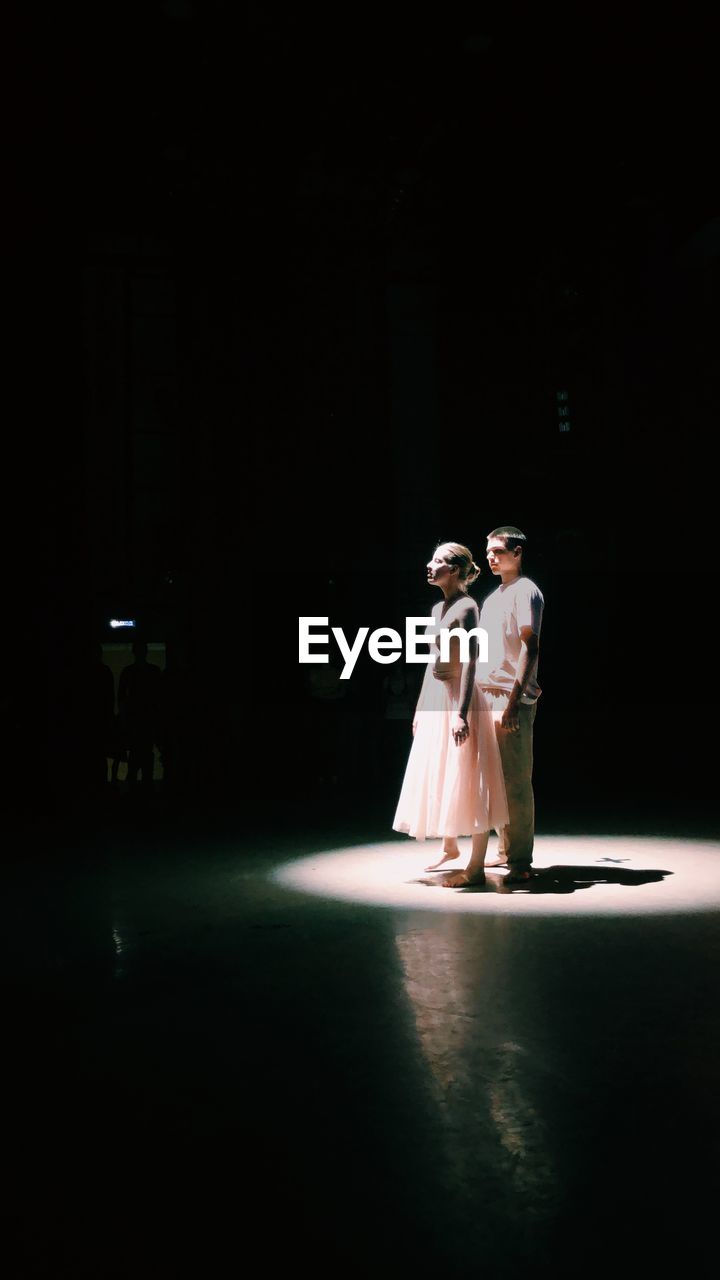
(576, 875)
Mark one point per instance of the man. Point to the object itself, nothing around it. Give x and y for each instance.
(512, 616)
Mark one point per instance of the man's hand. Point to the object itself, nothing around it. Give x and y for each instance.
(459, 729)
(511, 717)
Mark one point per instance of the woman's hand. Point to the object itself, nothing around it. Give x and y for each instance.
(459, 729)
(414, 727)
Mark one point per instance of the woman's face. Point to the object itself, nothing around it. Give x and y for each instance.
(438, 569)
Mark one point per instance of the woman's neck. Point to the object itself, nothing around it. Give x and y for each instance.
(451, 598)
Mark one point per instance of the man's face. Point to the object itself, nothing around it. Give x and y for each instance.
(499, 558)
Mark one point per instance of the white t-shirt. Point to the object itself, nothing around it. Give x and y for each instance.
(503, 614)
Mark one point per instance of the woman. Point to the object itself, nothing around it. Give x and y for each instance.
(453, 784)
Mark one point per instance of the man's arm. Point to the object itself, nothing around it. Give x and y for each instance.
(529, 649)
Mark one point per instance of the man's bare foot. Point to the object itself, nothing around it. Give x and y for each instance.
(461, 879)
(498, 861)
(449, 855)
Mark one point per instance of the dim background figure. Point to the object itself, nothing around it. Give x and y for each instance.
(140, 711)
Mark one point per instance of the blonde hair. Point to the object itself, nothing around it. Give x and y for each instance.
(460, 558)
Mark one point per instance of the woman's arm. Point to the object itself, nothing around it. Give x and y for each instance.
(421, 696)
(468, 620)
(427, 678)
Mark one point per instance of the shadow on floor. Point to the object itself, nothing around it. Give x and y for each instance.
(556, 879)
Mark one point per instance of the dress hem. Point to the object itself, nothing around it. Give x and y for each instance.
(437, 835)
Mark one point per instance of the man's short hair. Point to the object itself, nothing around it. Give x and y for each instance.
(511, 536)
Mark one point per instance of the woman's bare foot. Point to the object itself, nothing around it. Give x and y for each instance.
(450, 852)
(498, 861)
(461, 879)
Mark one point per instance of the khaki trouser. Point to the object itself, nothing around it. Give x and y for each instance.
(516, 752)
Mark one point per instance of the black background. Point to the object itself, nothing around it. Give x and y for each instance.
(391, 236)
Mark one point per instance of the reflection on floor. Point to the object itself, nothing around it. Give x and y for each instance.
(214, 1063)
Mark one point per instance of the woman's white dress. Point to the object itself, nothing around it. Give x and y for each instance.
(451, 790)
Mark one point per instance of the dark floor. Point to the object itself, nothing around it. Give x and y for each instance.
(206, 1069)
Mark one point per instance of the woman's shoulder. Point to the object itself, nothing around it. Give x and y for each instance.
(465, 609)
(467, 605)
